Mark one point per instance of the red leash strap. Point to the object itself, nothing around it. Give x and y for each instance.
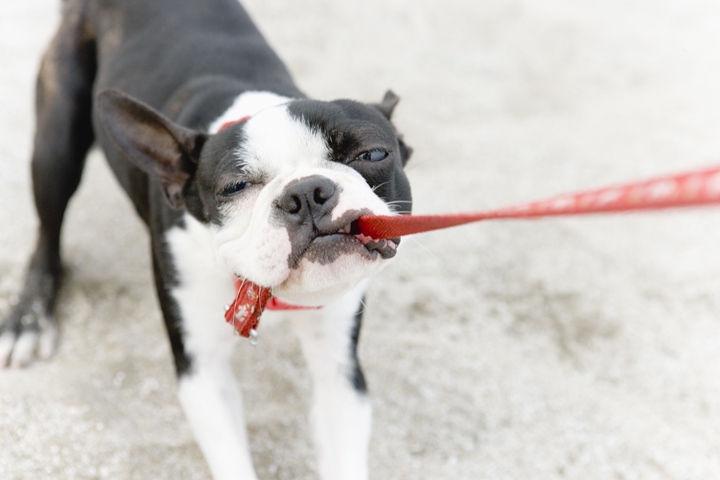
(684, 190)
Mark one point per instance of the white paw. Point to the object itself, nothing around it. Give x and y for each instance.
(32, 336)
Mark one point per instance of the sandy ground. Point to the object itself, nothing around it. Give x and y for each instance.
(570, 348)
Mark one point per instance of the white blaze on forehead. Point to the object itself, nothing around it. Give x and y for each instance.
(247, 105)
(276, 141)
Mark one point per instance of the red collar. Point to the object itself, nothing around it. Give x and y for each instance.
(250, 302)
(233, 122)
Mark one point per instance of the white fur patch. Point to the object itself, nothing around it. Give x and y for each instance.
(7, 342)
(277, 143)
(205, 287)
(24, 350)
(18, 351)
(213, 406)
(340, 415)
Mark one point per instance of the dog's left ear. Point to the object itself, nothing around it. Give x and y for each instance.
(159, 147)
(388, 104)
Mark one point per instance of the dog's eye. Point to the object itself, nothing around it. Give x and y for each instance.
(233, 188)
(373, 155)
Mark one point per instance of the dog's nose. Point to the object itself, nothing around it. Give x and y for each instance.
(310, 198)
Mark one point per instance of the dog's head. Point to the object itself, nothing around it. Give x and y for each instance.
(281, 190)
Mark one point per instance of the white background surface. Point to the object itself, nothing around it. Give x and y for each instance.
(574, 348)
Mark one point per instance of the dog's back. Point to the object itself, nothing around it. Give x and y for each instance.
(140, 41)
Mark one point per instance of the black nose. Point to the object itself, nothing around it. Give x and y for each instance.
(310, 198)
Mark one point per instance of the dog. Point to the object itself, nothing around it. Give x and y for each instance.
(237, 174)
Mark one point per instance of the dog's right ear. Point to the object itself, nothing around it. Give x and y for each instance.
(159, 147)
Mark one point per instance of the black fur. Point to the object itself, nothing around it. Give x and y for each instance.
(356, 375)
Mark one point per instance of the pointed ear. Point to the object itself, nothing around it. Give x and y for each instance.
(156, 145)
(388, 104)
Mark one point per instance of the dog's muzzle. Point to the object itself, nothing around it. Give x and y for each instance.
(305, 207)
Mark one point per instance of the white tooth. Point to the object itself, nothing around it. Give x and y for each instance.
(346, 228)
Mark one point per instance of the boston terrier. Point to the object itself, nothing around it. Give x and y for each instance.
(237, 174)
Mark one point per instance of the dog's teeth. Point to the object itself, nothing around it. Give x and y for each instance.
(346, 229)
(363, 239)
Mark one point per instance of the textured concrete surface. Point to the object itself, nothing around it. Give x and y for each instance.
(567, 348)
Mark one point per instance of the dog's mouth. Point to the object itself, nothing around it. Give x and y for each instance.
(343, 237)
(349, 235)
(385, 247)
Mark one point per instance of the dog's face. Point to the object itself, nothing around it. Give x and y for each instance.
(282, 190)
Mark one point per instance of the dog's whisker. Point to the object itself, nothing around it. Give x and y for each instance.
(378, 186)
(372, 286)
(364, 305)
(395, 205)
(420, 244)
(414, 164)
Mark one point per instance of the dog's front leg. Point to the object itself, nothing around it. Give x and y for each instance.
(192, 298)
(213, 406)
(341, 411)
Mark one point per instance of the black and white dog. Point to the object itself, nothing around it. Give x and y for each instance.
(271, 199)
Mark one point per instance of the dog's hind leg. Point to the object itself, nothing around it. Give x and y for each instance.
(62, 139)
(341, 412)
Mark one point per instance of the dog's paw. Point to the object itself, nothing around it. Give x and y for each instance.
(29, 332)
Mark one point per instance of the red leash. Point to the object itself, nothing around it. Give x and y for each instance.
(684, 190)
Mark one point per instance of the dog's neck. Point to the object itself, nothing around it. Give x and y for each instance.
(206, 103)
